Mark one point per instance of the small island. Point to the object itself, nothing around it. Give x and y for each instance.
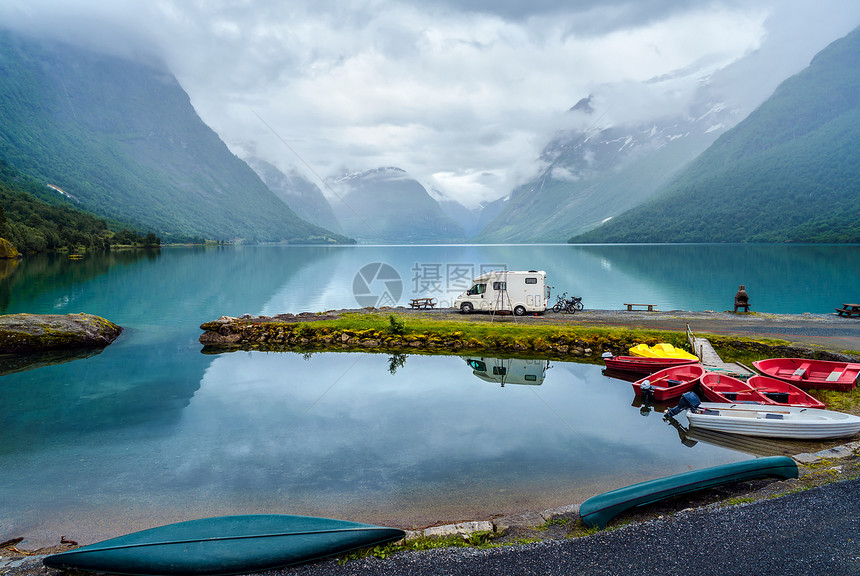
(27, 333)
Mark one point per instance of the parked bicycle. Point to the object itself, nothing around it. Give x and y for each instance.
(570, 305)
(561, 302)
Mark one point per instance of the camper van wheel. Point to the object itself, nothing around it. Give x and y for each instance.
(466, 308)
(519, 310)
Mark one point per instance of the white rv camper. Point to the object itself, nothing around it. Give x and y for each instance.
(505, 291)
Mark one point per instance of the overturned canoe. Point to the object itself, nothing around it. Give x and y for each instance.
(224, 545)
(600, 509)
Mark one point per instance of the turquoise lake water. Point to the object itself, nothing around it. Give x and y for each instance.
(151, 430)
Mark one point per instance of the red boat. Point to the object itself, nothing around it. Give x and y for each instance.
(669, 383)
(783, 393)
(806, 374)
(643, 365)
(723, 388)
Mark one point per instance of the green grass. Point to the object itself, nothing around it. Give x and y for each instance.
(421, 327)
(411, 333)
(482, 539)
(840, 401)
(739, 500)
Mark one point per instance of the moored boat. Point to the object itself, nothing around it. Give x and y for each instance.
(724, 388)
(669, 383)
(781, 392)
(223, 545)
(774, 421)
(805, 373)
(661, 350)
(643, 365)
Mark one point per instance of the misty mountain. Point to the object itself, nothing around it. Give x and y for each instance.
(790, 172)
(386, 205)
(123, 139)
(300, 194)
(598, 173)
(469, 219)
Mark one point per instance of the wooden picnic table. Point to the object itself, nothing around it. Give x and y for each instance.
(849, 310)
(422, 303)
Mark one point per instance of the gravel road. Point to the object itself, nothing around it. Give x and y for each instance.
(814, 532)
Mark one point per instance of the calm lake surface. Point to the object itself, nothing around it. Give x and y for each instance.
(151, 430)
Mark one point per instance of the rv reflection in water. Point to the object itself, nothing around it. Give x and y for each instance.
(509, 370)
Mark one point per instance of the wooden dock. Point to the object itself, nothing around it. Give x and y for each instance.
(712, 361)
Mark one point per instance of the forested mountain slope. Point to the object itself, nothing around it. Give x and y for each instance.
(33, 224)
(123, 139)
(790, 172)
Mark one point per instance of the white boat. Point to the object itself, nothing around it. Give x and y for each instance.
(773, 421)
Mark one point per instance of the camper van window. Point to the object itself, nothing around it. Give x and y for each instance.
(477, 289)
(499, 370)
(500, 286)
(477, 365)
(531, 280)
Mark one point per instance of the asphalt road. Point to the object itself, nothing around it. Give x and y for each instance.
(814, 532)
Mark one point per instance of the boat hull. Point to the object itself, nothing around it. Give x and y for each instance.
(671, 382)
(783, 393)
(805, 374)
(642, 365)
(774, 421)
(723, 388)
(598, 510)
(224, 545)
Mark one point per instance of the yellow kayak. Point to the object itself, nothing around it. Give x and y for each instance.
(662, 350)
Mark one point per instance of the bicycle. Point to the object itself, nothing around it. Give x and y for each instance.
(570, 305)
(561, 303)
(574, 305)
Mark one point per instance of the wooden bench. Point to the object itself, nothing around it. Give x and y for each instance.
(649, 306)
(849, 310)
(422, 303)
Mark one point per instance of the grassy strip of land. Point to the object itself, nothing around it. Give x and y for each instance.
(416, 333)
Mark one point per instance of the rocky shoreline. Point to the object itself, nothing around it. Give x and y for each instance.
(301, 333)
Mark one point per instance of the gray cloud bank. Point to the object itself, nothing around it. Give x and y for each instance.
(462, 95)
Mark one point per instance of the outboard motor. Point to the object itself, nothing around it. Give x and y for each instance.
(647, 391)
(689, 401)
(607, 355)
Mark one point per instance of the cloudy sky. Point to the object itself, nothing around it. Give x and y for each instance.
(461, 94)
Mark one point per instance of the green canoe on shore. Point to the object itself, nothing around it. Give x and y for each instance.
(600, 509)
(224, 545)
